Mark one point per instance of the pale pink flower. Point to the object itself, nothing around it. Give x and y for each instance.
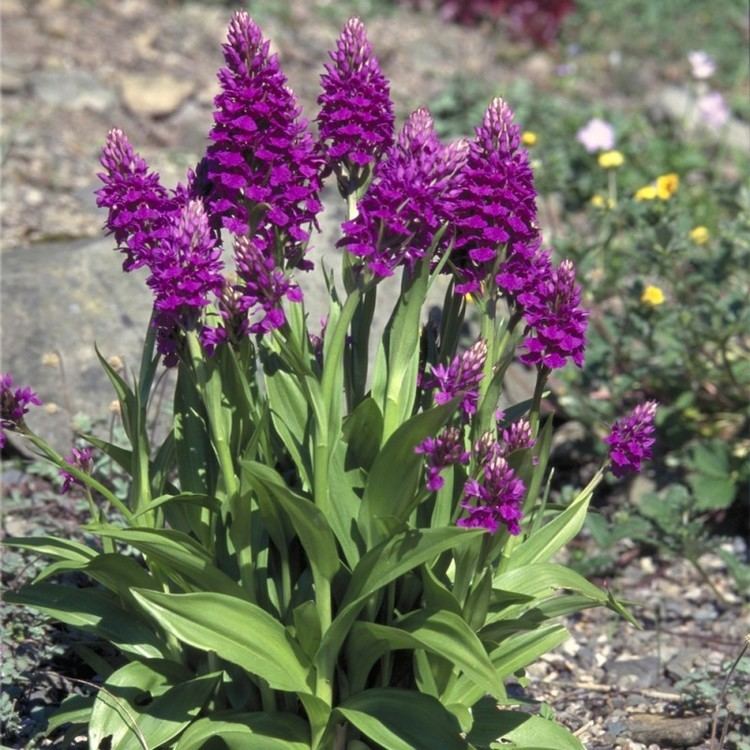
(713, 110)
(702, 65)
(596, 135)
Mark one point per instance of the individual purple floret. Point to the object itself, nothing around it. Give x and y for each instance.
(356, 112)
(263, 287)
(441, 452)
(140, 209)
(408, 201)
(461, 377)
(261, 169)
(81, 458)
(495, 205)
(186, 272)
(631, 439)
(557, 322)
(495, 498)
(14, 403)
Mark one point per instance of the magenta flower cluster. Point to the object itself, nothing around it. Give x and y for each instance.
(631, 439)
(80, 458)
(460, 378)
(447, 449)
(261, 166)
(356, 113)
(14, 403)
(408, 201)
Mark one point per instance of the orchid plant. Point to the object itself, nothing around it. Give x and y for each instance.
(326, 551)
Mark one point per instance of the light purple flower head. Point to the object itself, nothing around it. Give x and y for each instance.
(441, 452)
(263, 287)
(140, 209)
(556, 321)
(408, 201)
(713, 110)
(631, 439)
(186, 273)
(81, 458)
(494, 206)
(14, 403)
(460, 378)
(517, 436)
(596, 135)
(261, 170)
(495, 499)
(702, 65)
(356, 112)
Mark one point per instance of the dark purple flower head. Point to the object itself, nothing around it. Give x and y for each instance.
(407, 202)
(140, 209)
(556, 321)
(263, 287)
(356, 112)
(185, 274)
(261, 164)
(440, 452)
(461, 377)
(81, 458)
(495, 498)
(495, 202)
(525, 270)
(631, 439)
(234, 321)
(14, 403)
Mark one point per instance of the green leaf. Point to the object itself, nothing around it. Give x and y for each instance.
(381, 565)
(442, 633)
(176, 552)
(392, 494)
(363, 432)
(75, 709)
(238, 631)
(541, 579)
(521, 730)
(712, 493)
(60, 549)
(92, 611)
(307, 520)
(147, 704)
(247, 731)
(403, 720)
(522, 649)
(344, 508)
(189, 498)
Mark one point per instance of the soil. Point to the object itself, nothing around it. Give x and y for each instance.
(70, 71)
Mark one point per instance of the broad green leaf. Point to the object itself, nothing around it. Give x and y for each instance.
(92, 611)
(392, 494)
(60, 549)
(75, 709)
(176, 552)
(524, 648)
(189, 498)
(403, 720)
(238, 631)
(362, 432)
(147, 704)
(344, 508)
(247, 731)
(541, 579)
(381, 565)
(307, 520)
(442, 633)
(493, 726)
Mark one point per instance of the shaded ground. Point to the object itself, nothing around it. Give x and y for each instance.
(72, 69)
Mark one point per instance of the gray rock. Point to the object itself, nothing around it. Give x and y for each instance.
(637, 672)
(72, 89)
(667, 731)
(154, 96)
(64, 298)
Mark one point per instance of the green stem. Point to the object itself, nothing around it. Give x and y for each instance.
(536, 400)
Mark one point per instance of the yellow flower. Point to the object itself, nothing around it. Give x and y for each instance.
(611, 159)
(646, 193)
(700, 235)
(600, 201)
(528, 138)
(666, 185)
(652, 295)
